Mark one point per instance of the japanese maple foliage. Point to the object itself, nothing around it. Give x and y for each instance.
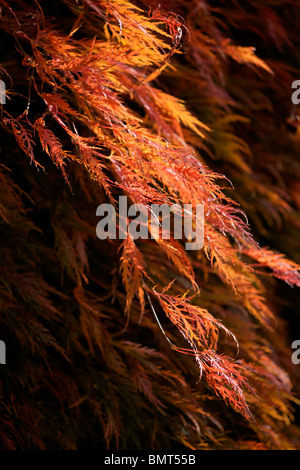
(141, 344)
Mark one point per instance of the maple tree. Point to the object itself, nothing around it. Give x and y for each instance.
(134, 345)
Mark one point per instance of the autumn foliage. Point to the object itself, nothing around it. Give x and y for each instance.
(140, 344)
